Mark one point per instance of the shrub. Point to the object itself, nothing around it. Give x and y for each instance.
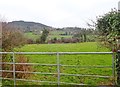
(18, 67)
(30, 41)
(24, 68)
(11, 37)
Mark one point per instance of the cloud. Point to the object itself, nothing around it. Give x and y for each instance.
(57, 13)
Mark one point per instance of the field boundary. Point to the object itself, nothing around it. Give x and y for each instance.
(58, 66)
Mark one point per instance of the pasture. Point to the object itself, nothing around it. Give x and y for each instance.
(78, 60)
(31, 35)
(58, 35)
(52, 35)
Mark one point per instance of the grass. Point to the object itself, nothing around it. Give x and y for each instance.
(56, 34)
(31, 35)
(74, 47)
(78, 60)
(59, 36)
(52, 35)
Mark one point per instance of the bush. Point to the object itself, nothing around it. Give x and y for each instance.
(30, 41)
(38, 41)
(24, 68)
(11, 37)
(18, 67)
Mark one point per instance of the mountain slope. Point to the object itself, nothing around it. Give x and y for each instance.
(29, 26)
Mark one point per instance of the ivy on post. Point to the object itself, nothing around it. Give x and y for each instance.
(118, 58)
(118, 67)
(118, 52)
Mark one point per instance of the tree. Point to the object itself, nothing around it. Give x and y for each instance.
(11, 37)
(85, 38)
(82, 35)
(108, 27)
(44, 36)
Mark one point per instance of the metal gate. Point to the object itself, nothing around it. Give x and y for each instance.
(58, 65)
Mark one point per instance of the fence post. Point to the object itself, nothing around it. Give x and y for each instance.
(118, 67)
(1, 70)
(58, 69)
(113, 66)
(14, 79)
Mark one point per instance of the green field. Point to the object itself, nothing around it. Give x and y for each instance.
(74, 47)
(31, 35)
(78, 60)
(56, 34)
(52, 35)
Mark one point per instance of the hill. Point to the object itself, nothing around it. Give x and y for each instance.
(29, 26)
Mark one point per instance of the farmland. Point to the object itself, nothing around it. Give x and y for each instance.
(52, 35)
(57, 34)
(76, 47)
(78, 60)
(33, 53)
(30, 35)
(64, 35)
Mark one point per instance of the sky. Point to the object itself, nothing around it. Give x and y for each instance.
(56, 13)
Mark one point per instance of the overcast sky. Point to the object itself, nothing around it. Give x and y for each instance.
(56, 13)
